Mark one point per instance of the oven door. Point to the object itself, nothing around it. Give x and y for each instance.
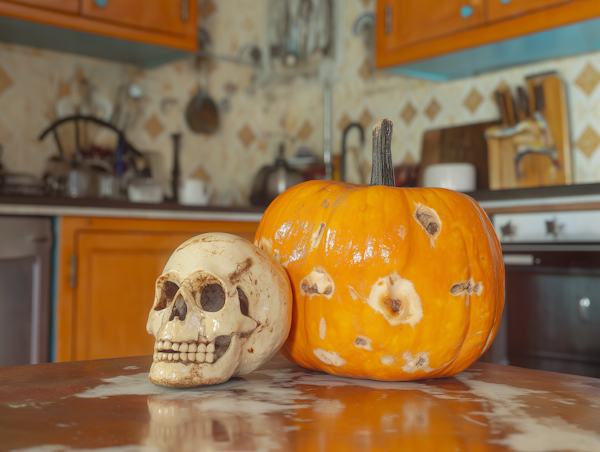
(553, 307)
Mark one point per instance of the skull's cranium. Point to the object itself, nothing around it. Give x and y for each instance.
(222, 308)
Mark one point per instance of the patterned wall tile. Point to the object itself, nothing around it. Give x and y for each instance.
(473, 100)
(589, 141)
(408, 113)
(5, 81)
(246, 136)
(153, 126)
(206, 8)
(588, 79)
(365, 70)
(343, 122)
(366, 119)
(305, 131)
(433, 109)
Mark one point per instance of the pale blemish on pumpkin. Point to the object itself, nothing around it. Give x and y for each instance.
(397, 300)
(318, 282)
(325, 203)
(353, 293)
(387, 360)
(330, 358)
(414, 363)
(363, 342)
(315, 238)
(402, 232)
(429, 220)
(322, 328)
(489, 340)
(467, 288)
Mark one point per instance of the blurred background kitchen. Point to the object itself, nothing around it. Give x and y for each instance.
(127, 126)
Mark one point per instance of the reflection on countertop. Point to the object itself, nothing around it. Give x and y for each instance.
(110, 403)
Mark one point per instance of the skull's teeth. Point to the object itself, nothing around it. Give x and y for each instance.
(190, 352)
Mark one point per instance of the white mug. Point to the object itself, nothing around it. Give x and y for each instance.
(195, 192)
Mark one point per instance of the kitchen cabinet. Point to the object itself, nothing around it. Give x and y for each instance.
(68, 6)
(503, 9)
(166, 17)
(106, 275)
(408, 22)
(453, 39)
(142, 32)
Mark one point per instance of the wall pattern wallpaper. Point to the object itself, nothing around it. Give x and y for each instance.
(258, 112)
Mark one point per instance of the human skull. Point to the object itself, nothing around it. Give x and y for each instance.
(222, 308)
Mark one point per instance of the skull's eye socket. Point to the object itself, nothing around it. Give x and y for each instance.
(169, 289)
(243, 302)
(212, 298)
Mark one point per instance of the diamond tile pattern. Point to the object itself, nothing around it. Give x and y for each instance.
(365, 70)
(366, 119)
(588, 79)
(206, 8)
(305, 131)
(153, 126)
(588, 141)
(408, 113)
(432, 110)
(246, 135)
(344, 121)
(5, 81)
(473, 100)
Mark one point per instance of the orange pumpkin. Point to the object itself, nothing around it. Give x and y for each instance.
(388, 283)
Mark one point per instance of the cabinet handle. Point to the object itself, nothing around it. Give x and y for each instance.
(504, 2)
(185, 10)
(466, 11)
(388, 19)
(101, 3)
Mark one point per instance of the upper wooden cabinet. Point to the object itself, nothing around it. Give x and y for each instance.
(162, 16)
(408, 22)
(69, 6)
(443, 40)
(503, 9)
(140, 32)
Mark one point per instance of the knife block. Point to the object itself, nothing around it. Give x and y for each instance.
(536, 169)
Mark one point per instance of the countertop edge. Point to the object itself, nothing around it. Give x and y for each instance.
(107, 212)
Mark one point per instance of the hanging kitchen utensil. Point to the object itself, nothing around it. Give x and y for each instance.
(201, 113)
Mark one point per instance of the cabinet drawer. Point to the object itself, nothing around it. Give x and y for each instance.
(505, 9)
(163, 16)
(67, 6)
(408, 22)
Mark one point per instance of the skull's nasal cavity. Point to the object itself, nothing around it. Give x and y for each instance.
(179, 309)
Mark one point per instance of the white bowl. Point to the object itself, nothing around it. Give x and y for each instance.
(453, 176)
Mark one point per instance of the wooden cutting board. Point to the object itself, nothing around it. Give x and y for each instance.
(457, 144)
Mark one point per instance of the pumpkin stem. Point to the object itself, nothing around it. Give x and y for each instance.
(382, 172)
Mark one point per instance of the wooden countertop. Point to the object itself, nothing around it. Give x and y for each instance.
(111, 404)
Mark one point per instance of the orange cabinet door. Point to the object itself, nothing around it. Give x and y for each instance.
(407, 22)
(68, 6)
(106, 276)
(505, 9)
(166, 16)
(115, 290)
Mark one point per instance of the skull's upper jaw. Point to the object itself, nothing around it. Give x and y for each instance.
(186, 374)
